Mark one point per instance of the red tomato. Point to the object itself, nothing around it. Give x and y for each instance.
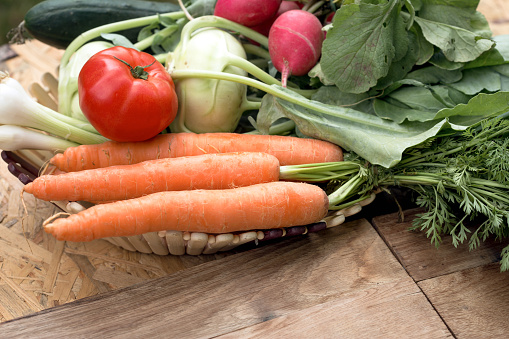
(121, 106)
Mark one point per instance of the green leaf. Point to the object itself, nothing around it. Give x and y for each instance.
(331, 95)
(398, 70)
(399, 114)
(425, 49)
(495, 56)
(479, 107)
(414, 103)
(147, 31)
(377, 140)
(422, 98)
(360, 46)
(458, 13)
(118, 40)
(433, 75)
(457, 44)
(476, 80)
(201, 7)
(439, 60)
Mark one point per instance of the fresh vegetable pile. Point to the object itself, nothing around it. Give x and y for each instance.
(414, 92)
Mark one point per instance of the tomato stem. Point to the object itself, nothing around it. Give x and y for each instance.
(137, 72)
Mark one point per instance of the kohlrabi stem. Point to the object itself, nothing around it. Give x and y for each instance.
(365, 119)
(148, 41)
(259, 73)
(113, 27)
(252, 69)
(256, 50)
(161, 57)
(218, 22)
(276, 129)
(248, 105)
(183, 74)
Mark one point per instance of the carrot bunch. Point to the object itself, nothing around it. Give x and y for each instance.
(213, 183)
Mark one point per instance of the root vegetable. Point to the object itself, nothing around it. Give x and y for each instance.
(208, 171)
(295, 42)
(289, 150)
(247, 12)
(264, 27)
(261, 206)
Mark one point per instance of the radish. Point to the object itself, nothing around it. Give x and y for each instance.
(295, 43)
(265, 26)
(247, 12)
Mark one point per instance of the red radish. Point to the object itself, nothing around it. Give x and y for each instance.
(247, 12)
(265, 26)
(329, 18)
(295, 43)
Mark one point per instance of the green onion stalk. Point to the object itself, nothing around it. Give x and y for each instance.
(17, 108)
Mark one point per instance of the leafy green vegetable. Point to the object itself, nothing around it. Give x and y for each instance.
(498, 55)
(409, 88)
(360, 46)
(457, 44)
(460, 177)
(368, 39)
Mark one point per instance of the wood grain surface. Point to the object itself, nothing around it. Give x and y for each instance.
(472, 302)
(348, 270)
(423, 260)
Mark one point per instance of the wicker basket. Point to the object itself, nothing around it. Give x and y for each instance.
(26, 165)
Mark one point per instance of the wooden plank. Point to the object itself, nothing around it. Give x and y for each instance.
(423, 260)
(242, 290)
(373, 313)
(473, 302)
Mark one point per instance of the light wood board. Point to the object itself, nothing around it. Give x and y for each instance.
(472, 302)
(323, 281)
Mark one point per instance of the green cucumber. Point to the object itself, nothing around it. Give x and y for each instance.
(58, 22)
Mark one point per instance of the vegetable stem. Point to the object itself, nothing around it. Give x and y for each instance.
(113, 27)
(147, 42)
(183, 74)
(256, 50)
(276, 129)
(218, 22)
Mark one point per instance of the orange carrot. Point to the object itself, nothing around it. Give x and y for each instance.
(261, 206)
(289, 150)
(207, 171)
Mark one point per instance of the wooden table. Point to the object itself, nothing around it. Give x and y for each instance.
(368, 278)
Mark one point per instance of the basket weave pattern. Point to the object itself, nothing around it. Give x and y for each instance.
(171, 242)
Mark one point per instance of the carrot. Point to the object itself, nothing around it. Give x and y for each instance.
(261, 206)
(207, 171)
(289, 150)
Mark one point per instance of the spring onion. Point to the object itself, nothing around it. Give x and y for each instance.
(15, 138)
(18, 108)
